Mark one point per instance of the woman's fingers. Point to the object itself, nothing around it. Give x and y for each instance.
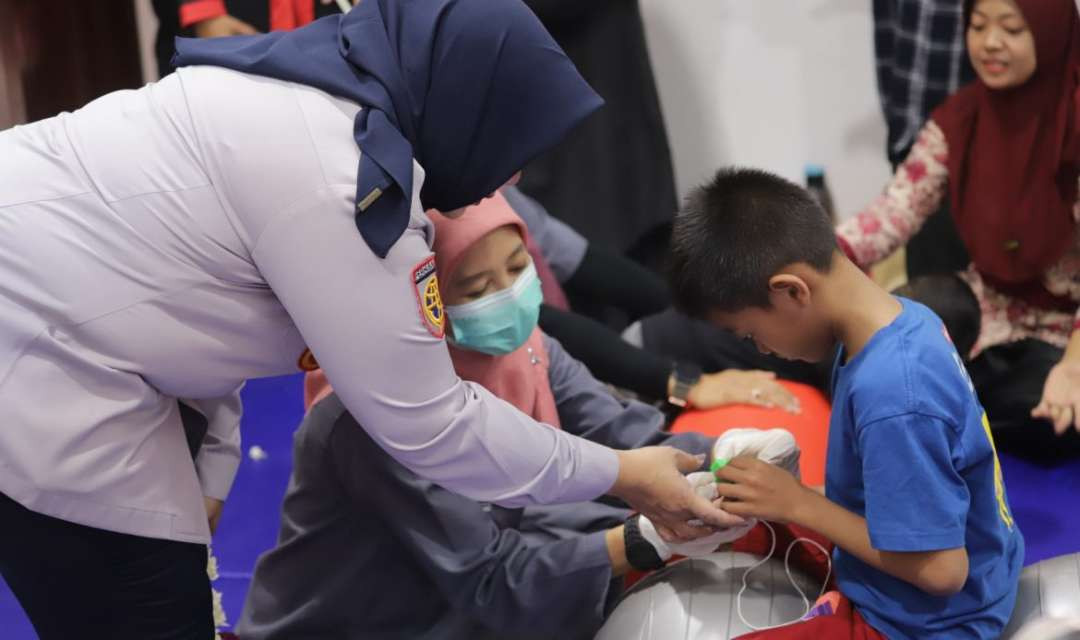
(1063, 417)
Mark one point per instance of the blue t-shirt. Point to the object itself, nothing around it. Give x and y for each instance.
(910, 450)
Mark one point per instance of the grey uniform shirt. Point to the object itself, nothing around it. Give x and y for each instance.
(169, 243)
(374, 551)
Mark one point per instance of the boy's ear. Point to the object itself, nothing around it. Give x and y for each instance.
(789, 290)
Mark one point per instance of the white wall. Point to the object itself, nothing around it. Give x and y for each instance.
(769, 83)
(773, 84)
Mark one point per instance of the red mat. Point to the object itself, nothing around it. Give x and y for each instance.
(810, 428)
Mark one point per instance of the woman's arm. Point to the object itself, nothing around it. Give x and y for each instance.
(218, 457)
(365, 321)
(607, 355)
(915, 192)
(587, 409)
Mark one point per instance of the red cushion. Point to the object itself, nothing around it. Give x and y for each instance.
(810, 428)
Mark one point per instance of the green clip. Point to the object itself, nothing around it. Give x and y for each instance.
(717, 465)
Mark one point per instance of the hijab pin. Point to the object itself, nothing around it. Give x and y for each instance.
(369, 199)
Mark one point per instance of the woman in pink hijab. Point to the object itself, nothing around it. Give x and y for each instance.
(487, 252)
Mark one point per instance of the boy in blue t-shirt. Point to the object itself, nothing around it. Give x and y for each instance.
(914, 503)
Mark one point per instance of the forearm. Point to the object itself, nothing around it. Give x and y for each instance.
(936, 572)
(612, 278)
(606, 355)
(913, 195)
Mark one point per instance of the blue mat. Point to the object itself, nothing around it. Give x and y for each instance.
(1043, 499)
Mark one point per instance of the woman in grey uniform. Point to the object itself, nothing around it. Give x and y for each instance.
(156, 247)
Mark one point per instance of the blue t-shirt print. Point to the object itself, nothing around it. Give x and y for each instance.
(910, 450)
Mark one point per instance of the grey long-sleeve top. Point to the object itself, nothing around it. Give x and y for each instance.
(373, 551)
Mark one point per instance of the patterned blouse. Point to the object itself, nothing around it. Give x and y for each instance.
(914, 193)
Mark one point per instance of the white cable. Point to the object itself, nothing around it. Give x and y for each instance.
(787, 569)
(344, 5)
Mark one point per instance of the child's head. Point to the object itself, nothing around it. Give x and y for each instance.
(747, 252)
(952, 299)
(1000, 43)
(487, 279)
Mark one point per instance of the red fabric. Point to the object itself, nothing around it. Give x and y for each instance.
(194, 12)
(290, 14)
(1013, 156)
(845, 624)
(810, 428)
(804, 557)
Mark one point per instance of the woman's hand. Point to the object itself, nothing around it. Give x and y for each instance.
(213, 511)
(758, 388)
(1060, 402)
(223, 25)
(651, 480)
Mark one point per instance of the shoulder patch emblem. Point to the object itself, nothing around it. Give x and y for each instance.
(426, 285)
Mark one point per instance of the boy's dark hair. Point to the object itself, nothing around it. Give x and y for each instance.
(737, 231)
(953, 300)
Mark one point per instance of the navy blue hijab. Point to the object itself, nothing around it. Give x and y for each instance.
(472, 89)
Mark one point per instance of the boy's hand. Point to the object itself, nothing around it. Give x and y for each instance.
(213, 512)
(651, 480)
(752, 488)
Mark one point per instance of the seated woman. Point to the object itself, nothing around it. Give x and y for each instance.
(372, 550)
(1006, 150)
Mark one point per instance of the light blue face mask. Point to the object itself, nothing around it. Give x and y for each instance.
(499, 322)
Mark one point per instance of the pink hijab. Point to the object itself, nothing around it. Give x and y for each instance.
(519, 377)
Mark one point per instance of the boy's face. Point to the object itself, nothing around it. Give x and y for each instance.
(790, 327)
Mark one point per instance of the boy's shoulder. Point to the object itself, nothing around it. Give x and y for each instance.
(910, 367)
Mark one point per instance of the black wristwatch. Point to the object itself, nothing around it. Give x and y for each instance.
(683, 377)
(639, 552)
